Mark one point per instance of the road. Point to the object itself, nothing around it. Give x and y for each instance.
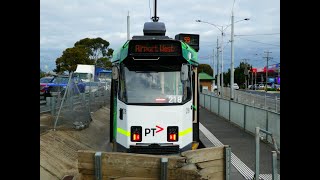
(263, 93)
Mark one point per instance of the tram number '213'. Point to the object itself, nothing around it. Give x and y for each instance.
(175, 98)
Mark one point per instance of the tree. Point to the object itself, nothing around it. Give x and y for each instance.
(239, 74)
(71, 57)
(42, 74)
(97, 48)
(104, 63)
(205, 68)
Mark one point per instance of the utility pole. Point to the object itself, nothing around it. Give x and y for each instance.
(246, 72)
(213, 83)
(222, 47)
(218, 70)
(232, 59)
(255, 81)
(251, 78)
(266, 86)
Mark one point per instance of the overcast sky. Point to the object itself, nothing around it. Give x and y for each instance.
(64, 22)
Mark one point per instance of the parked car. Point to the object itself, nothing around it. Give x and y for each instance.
(235, 86)
(44, 85)
(214, 88)
(60, 83)
(260, 86)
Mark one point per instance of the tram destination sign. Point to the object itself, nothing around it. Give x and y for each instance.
(154, 48)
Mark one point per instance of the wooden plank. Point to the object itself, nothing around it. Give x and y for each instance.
(215, 163)
(215, 176)
(182, 174)
(135, 178)
(210, 170)
(191, 167)
(129, 160)
(92, 177)
(205, 154)
(123, 171)
(139, 172)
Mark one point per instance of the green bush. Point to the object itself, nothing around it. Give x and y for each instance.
(272, 89)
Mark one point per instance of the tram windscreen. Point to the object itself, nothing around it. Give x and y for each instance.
(145, 87)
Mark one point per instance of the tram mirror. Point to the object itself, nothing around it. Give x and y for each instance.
(115, 73)
(184, 72)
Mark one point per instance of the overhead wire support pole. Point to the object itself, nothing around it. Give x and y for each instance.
(232, 59)
(266, 86)
(213, 72)
(222, 29)
(222, 82)
(218, 69)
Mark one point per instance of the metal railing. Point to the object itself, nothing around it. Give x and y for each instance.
(246, 97)
(243, 115)
(275, 175)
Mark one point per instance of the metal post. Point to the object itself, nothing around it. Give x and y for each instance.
(257, 173)
(128, 27)
(222, 83)
(204, 100)
(219, 106)
(210, 103)
(213, 72)
(251, 78)
(274, 166)
(245, 117)
(229, 110)
(232, 59)
(62, 101)
(276, 104)
(228, 162)
(265, 101)
(255, 81)
(218, 69)
(48, 101)
(164, 169)
(98, 166)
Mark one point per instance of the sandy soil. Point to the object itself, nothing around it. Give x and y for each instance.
(58, 149)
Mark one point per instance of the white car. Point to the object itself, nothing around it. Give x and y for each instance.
(214, 88)
(261, 86)
(235, 86)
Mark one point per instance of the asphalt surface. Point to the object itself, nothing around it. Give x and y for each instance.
(262, 93)
(242, 143)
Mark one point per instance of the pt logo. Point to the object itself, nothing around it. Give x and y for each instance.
(148, 130)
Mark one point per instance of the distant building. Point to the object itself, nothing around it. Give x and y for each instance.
(205, 81)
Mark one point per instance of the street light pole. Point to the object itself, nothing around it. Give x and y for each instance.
(232, 61)
(218, 69)
(222, 62)
(213, 71)
(222, 29)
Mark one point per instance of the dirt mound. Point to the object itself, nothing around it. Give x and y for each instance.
(58, 149)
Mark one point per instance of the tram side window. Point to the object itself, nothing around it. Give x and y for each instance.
(122, 89)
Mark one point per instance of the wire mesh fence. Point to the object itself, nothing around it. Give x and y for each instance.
(72, 101)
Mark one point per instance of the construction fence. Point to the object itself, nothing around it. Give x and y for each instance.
(71, 106)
